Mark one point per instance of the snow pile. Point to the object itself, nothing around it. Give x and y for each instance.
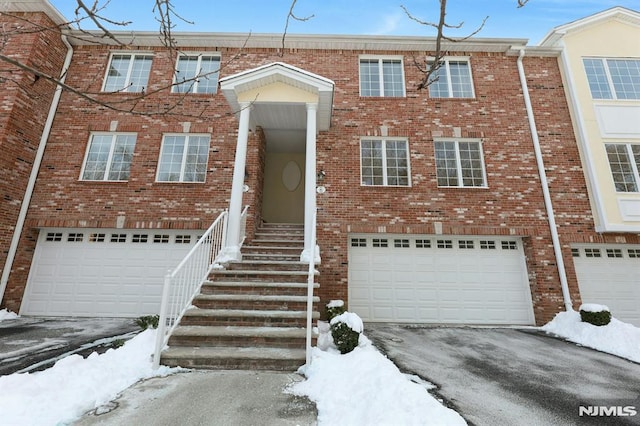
(7, 315)
(75, 385)
(617, 337)
(593, 307)
(363, 387)
(353, 321)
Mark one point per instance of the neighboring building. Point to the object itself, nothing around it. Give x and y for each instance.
(432, 207)
(600, 64)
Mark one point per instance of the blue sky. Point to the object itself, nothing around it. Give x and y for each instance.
(378, 17)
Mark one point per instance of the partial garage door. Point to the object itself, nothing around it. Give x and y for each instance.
(609, 274)
(110, 273)
(437, 279)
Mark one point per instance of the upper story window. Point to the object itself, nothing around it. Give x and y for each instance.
(459, 163)
(197, 74)
(613, 78)
(183, 158)
(381, 77)
(128, 73)
(109, 157)
(384, 162)
(452, 80)
(624, 160)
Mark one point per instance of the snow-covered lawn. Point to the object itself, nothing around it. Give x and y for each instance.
(359, 388)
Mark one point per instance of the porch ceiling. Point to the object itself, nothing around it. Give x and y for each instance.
(280, 113)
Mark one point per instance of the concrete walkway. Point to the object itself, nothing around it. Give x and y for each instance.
(235, 398)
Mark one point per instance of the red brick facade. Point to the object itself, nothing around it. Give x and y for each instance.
(511, 205)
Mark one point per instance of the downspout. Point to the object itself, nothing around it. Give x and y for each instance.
(545, 187)
(24, 207)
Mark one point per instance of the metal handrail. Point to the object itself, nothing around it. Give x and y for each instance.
(184, 282)
(310, 283)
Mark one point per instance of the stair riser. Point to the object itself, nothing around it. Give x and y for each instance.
(252, 305)
(239, 342)
(259, 266)
(261, 257)
(276, 242)
(226, 321)
(255, 290)
(239, 276)
(234, 364)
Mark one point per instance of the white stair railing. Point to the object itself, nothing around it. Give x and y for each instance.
(310, 283)
(183, 283)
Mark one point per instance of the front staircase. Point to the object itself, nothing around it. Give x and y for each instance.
(252, 314)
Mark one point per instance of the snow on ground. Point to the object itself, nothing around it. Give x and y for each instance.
(617, 337)
(7, 315)
(75, 385)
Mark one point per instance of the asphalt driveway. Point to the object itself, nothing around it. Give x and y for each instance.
(506, 376)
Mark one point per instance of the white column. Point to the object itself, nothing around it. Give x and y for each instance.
(310, 182)
(232, 249)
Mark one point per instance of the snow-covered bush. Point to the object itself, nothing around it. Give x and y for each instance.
(345, 330)
(334, 308)
(595, 314)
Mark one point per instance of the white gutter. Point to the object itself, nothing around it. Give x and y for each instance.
(24, 207)
(545, 187)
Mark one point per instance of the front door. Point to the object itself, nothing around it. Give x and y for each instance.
(283, 193)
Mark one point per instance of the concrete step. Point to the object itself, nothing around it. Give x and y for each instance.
(234, 358)
(246, 318)
(256, 287)
(211, 336)
(259, 275)
(256, 256)
(267, 265)
(253, 302)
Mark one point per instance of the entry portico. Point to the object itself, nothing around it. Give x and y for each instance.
(279, 98)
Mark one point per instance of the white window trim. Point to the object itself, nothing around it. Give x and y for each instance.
(384, 161)
(607, 73)
(446, 61)
(129, 69)
(459, 163)
(380, 58)
(195, 82)
(184, 157)
(113, 135)
(632, 161)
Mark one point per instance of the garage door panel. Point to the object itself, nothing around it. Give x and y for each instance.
(609, 274)
(99, 278)
(442, 283)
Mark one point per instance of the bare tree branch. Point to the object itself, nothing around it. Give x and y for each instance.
(433, 64)
(290, 16)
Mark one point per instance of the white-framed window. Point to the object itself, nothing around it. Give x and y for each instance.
(452, 79)
(460, 163)
(624, 160)
(127, 72)
(197, 73)
(183, 158)
(613, 78)
(108, 157)
(384, 162)
(380, 76)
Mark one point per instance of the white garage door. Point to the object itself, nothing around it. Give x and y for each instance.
(609, 274)
(436, 279)
(102, 272)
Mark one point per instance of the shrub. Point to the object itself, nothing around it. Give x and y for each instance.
(345, 330)
(148, 321)
(334, 308)
(344, 337)
(595, 314)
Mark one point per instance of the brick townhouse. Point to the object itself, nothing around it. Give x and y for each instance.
(433, 206)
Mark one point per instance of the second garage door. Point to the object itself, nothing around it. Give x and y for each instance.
(437, 279)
